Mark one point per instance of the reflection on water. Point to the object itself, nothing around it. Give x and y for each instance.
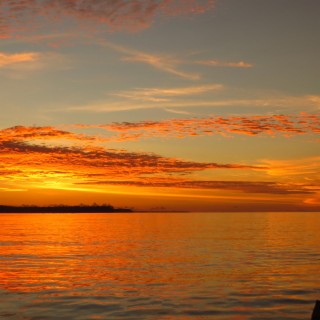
(159, 266)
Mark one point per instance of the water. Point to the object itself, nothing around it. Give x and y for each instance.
(159, 266)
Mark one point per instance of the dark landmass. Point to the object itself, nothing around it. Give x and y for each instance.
(62, 209)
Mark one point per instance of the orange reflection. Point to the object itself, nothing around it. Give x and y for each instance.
(211, 262)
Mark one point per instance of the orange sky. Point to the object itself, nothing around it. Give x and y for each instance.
(166, 105)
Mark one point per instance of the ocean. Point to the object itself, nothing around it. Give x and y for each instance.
(169, 266)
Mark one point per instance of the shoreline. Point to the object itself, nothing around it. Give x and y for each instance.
(63, 209)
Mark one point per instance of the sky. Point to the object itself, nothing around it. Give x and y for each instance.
(204, 105)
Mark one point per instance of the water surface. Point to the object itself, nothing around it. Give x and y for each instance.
(159, 266)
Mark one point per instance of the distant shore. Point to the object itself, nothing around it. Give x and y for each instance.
(62, 209)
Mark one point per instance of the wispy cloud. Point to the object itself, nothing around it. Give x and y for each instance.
(19, 66)
(9, 59)
(304, 170)
(12, 190)
(170, 63)
(165, 94)
(163, 62)
(136, 99)
(19, 16)
(306, 167)
(228, 64)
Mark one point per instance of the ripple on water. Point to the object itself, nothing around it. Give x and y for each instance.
(170, 267)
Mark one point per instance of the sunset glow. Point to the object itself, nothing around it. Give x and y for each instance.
(164, 104)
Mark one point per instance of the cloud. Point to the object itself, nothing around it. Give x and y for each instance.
(165, 63)
(165, 94)
(315, 200)
(20, 16)
(286, 125)
(8, 59)
(135, 100)
(40, 153)
(99, 158)
(308, 168)
(305, 170)
(45, 157)
(228, 64)
(42, 165)
(175, 111)
(21, 65)
(243, 186)
(169, 63)
(12, 190)
(22, 133)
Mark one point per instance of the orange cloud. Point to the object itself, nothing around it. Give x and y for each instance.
(21, 133)
(7, 59)
(40, 165)
(228, 64)
(169, 63)
(161, 62)
(306, 167)
(99, 159)
(164, 94)
(243, 125)
(77, 159)
(243, 186)
(18, 15)
(294, 103)
(24, 157)
(48, 157)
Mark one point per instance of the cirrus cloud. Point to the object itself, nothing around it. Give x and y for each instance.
(165, 94)
(7, 59)
(228, 64)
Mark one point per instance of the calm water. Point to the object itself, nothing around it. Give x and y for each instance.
(159, 266)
